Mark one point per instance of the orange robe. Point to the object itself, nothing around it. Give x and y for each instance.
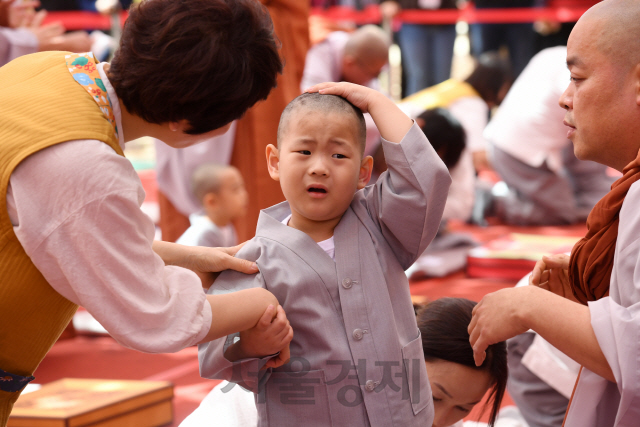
(259, 126)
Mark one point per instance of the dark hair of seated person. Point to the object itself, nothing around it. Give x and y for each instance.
(445, 133)
(491, 77)
(443, 324)
(204, 61)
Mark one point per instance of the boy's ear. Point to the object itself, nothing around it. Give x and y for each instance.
(210, 200)
(273, 162)
(366, 167)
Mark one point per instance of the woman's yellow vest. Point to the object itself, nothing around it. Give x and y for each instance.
(442, 95)
(40, 105)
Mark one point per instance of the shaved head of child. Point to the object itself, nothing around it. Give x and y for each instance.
(321, 106)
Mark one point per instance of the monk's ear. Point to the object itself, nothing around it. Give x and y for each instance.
(273, 162)
(364, 176)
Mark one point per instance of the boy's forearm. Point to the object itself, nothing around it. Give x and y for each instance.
(237, 311)
(392, 123)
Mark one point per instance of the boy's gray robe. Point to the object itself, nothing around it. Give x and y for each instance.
(356, 354)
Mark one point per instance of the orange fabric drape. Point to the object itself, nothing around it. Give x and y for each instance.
(591, 260)
(259, 125)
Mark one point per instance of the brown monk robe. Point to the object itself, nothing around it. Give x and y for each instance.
(259, 126)
(592, 257)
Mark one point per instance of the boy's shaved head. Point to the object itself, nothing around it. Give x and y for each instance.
(207, 179)
(324, 104)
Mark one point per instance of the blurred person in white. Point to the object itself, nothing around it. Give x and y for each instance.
(224, 198)
(547, 184)
(22, 32)
(356, 57)
(469, 102)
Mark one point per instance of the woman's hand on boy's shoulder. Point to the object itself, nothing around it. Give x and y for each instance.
(360, 96)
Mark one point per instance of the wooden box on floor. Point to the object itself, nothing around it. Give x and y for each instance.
(95, 403)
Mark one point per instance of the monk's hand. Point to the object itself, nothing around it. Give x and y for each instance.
(360, 96)
(552, 274)
(497, 317)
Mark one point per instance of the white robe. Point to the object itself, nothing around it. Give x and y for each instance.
(616, 323)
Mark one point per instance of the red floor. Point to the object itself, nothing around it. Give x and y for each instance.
(102, 357)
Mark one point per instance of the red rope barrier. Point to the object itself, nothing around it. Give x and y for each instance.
(470, 14)
(79, 20)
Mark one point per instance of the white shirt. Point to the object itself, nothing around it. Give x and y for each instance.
(204, 232)
(528, 124)
(327, 245)
(75, 208)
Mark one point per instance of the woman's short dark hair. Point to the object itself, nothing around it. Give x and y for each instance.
(204, 61)
(443, 324)
(491, 74)
(445, 134)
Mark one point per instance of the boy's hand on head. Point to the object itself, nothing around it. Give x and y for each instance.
(271, 334)
(360, 96)
(392, 123)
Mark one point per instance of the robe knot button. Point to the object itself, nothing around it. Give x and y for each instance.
(347, 283)
(358, 334)
(370, 385)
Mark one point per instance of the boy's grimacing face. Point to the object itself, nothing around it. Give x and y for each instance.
(319, 163)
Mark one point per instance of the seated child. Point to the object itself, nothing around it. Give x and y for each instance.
(334, 255)
(220, 189)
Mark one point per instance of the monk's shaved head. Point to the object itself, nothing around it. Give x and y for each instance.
(615, 25)
(368, 43)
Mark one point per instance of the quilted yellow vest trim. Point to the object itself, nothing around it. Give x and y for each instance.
(442, 95)
(40, 105)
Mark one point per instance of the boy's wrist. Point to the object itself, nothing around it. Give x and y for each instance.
(236, 352)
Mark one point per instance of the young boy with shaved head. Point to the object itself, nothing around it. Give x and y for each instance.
(592, 313)
(334, 255)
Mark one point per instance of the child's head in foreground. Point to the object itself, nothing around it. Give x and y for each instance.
(220, 189)
(319, 160)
